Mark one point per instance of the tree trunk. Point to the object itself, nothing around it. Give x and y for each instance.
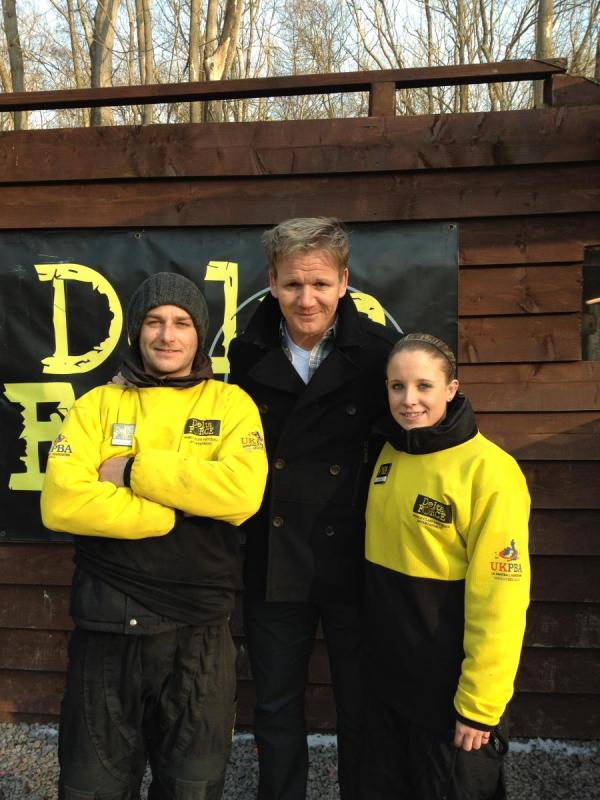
(194, 55)
(15, 57)
(148, 76)
(543, 42)
(101, 54)
(220, 47)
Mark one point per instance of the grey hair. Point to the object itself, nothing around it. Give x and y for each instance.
(430, 344)
(304, 234)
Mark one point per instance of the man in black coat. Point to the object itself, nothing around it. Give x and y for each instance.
(315, 367)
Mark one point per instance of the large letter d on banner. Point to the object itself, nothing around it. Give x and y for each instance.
(61, 362)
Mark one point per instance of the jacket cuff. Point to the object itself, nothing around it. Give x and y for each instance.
(127, 472)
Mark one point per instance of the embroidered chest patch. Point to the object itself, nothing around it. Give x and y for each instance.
(203, 430)
(432, 509)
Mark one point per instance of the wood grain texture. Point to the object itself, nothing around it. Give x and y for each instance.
(563, 484)
(520, 290)
(35, 607)
(536, 388)
(565, 579)
(527, 239)
(36, 564)
(526, 69)
(563, 624)
(565, 532)
(453, 194)
(542, 436)
(302, 147)
(548, 337)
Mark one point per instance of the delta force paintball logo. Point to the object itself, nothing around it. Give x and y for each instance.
(202, 431)
(253, 441)
(60, 446)
(433, 512)
(505, 566)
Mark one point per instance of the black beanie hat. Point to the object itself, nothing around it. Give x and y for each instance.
(167, 288)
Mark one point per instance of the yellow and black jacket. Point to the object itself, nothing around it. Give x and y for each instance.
(447, 572)
(164, 550)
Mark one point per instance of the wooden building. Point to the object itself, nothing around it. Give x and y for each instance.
(524, 187)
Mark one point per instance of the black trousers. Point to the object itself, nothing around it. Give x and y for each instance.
(405, 761)
(280, 639)
(168, 698)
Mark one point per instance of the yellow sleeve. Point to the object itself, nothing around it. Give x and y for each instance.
(73, 500)
(496, 597)
(229, 487)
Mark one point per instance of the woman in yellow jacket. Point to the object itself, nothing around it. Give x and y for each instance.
(447, 588)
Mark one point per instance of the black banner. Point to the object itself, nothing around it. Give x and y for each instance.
(63, 296)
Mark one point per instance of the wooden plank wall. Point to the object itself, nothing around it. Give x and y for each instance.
(524, 187)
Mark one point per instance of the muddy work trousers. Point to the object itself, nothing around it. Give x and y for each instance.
(167, 699)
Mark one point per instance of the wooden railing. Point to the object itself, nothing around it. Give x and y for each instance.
(381, 86)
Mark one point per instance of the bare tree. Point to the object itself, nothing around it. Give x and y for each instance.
(143, 16)
(101, 54)
(220, 46)
(543, 42)
(15, 56)
(194, 57)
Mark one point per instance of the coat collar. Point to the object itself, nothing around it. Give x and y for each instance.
(263, 327)
(275, 370)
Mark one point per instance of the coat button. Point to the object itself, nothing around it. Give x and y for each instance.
(277, 522)
(351, 409)
(329, 531)
(133, 622)
(279, 463)
(263, 408)
(335, 469)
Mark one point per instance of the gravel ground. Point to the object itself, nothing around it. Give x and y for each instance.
(537, 769)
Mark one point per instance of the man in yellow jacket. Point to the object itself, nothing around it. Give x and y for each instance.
(153, 477)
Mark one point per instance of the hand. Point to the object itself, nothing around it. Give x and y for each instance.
(112, 470)
(467, 738)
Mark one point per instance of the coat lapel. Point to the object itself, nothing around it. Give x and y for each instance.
(276, 371)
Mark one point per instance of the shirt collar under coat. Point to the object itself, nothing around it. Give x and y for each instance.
(458, 426)
(263, 328)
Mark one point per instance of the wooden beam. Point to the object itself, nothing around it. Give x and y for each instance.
(35, 607)
(541, 338)
(382, 99)
(406, 196)
(563, 485)
(545, 437)
(563, 671)
(565, 579)
(528, 240)
(36, 564)
(563, 624)
(520, 290)
(559, 716)
(284, 86)
(574, 90)
(533, 387)
(565, 532)
(442, 141)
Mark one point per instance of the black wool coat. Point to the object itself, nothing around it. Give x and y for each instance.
(307, 540)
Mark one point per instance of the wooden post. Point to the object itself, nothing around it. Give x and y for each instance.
(382, 99)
